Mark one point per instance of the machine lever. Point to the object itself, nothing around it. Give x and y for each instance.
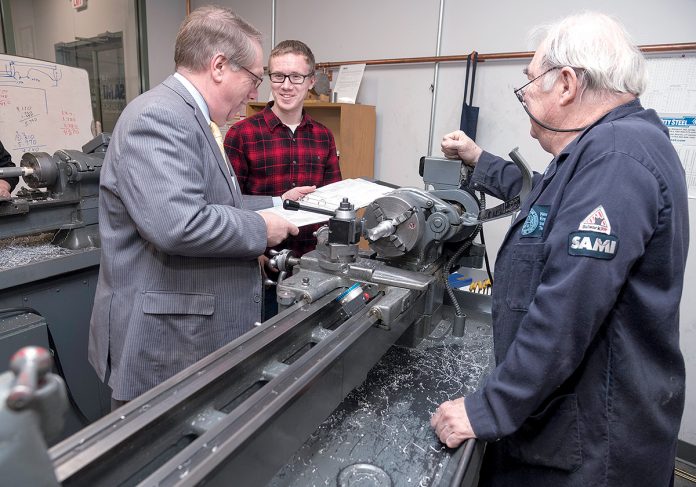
(295, 206)
(30, 366)
(510, 206)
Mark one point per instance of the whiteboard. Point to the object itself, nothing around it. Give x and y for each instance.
(44, 106)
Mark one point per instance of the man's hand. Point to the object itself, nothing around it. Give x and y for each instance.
(277, 228)
(266, 268)
(4, 189)
(457, 145)
(295, 194)
(451, 423)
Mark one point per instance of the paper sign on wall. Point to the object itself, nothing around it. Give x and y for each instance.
(348, 82)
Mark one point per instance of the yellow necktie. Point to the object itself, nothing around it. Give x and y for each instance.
(217, 135)
(218, 138)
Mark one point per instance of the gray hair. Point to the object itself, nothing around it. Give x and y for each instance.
(212, 30)
(600, 50)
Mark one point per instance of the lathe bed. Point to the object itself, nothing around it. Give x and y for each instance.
(381, 432)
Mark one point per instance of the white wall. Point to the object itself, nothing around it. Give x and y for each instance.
(163, 20)
(368, 29)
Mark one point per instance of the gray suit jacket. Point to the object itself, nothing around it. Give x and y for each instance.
(179, 276)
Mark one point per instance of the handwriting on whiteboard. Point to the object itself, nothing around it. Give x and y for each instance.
(70, 126)
(30, 73)
(43, 106)
(27, 141)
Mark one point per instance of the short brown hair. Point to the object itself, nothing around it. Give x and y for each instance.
(212, 30)
(293, 47)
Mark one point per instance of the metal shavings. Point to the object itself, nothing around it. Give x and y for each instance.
(385, 421)
(19, 251)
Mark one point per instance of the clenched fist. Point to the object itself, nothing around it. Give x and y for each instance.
(458, 145)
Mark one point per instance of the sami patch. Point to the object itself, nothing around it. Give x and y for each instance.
(596, 221)
(536, 219)
(593, 244)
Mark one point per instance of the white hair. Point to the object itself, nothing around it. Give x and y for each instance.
(604, 56)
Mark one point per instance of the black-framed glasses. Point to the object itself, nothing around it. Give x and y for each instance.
(257, 80)
(519, 92)
(295, 78)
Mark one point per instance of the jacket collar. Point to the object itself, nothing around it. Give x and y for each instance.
(175, 85)
(617, 113)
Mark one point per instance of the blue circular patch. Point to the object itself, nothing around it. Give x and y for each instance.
(531, 223)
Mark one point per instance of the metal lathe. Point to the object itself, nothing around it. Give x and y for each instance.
(338, 388)
(49, 264)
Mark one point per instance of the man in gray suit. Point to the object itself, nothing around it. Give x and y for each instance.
(179, 275)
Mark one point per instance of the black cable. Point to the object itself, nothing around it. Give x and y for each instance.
(56, 359)
(448, 269)
(548, 127)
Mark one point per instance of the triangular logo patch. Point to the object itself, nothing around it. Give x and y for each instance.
(596, 221)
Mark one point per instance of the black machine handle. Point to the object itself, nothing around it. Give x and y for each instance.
(295, 206)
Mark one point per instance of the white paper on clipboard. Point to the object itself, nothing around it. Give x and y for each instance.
(359, 192)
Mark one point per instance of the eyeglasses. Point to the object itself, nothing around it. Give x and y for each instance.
(295, 79)
(519, 92)
(257, 81)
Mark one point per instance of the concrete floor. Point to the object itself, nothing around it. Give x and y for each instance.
(684, 474)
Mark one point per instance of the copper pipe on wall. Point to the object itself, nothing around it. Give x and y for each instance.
(498, 56)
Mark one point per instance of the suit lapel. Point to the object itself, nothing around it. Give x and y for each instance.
(223, 163)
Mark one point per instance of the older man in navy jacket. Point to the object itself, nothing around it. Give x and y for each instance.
(589, 383)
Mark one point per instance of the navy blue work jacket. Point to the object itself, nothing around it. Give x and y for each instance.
(589, 384)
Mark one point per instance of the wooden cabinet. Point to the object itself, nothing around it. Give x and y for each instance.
(353, 127)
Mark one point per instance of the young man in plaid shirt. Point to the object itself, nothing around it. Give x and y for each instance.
(281, 148)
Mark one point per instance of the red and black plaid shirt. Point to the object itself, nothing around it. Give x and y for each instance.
(268, 160)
